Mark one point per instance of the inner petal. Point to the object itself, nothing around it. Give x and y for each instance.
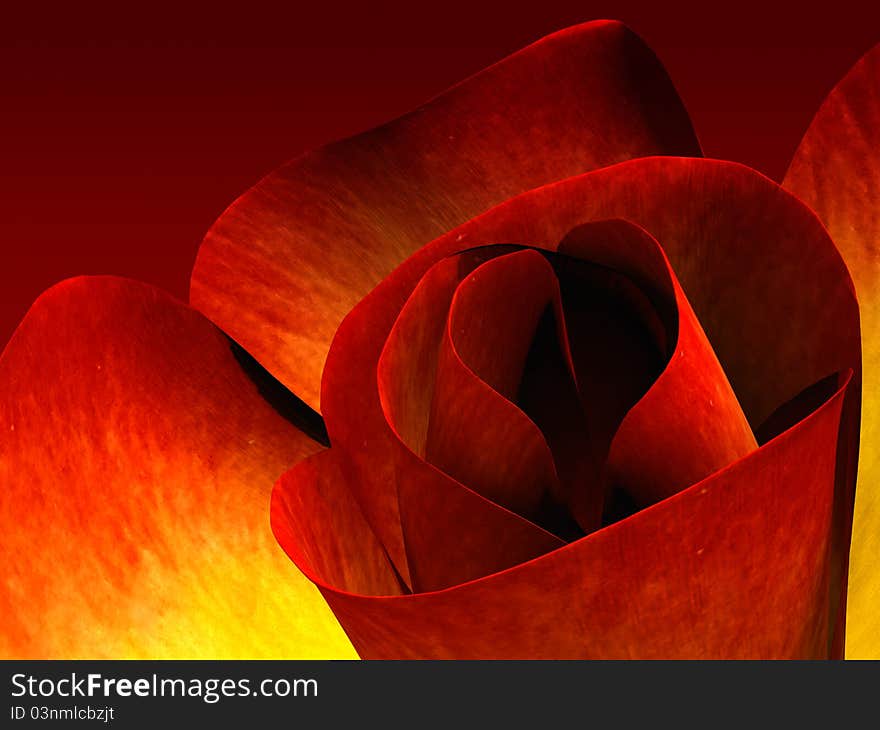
(477, 434)
(452, 534)
(616, 342)
(689, 424)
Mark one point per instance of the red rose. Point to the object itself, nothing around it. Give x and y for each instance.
(492, 409)
(581, 400)
(461, 392)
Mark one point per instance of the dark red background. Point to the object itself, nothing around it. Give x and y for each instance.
(124, 134)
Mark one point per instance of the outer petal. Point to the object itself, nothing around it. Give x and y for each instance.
(136, 459)
(715, 571)
(836, 170)
(291, 257)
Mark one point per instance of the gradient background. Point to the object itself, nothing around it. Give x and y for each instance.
(125, 133)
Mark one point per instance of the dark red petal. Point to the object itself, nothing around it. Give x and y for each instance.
(136, 461)
(452, 534)
(290, 258)
(734, 566)
(689, 423)
(836, 170)
(549, 395)
(407, 367)
(476, 432)
(324, 531)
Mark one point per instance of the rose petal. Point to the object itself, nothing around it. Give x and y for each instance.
(326, 528)
(136, 459)
(619, 342)
(407, 366)
(836, 170)
(735, 239)
(549, 395)
(451, 533)
(735, 566)
(689, 424)
(476, 432)
(288, 260)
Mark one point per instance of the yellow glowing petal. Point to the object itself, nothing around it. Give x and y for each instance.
(836, 170)
(136, 463)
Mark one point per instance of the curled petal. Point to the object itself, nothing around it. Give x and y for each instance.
(476, 432)
(326, 533)
(689, 424)
(452, 533)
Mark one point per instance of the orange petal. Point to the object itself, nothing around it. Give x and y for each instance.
(290, 258)
(326, 533)
(136, 459)
(836, 170)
